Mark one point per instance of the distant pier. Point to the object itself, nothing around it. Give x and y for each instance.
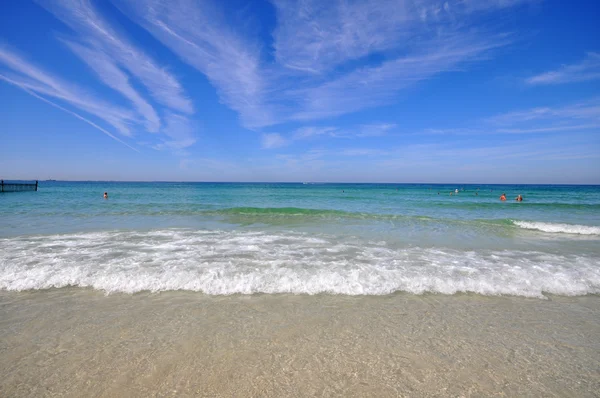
(17, 186)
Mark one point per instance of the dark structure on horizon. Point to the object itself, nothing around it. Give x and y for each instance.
(17, 186)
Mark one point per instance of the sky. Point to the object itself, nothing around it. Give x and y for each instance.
(413, 91)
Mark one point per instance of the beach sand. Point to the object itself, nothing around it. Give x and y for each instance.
(80, 343)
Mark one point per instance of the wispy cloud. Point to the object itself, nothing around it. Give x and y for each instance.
(444, 154)
(114, 77)
(115, 61)
(276, 140)
(85, 20)
(180, 131)
(199, 35)
(585, 110)
(41, 82)
(577, 117)
(323, 62)
(588, 69)
(490, 5)
(330, 44)
(578, 127)
(329, 59)
(373, 86)
(273, 140)
(28, 91)
(360, 131)
(313, 36)
(313, 131)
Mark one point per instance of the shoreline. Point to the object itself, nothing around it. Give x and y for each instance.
(81, 342)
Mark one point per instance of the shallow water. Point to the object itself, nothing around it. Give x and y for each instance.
(78, 342)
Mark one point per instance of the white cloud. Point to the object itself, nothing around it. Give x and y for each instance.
(114, 60)
(312, 131)
(490, 5)
(30, 92)
(311, 39)
(365, 130)
(550, 129)
(572, 118)
(201, 38)
(330, 58)
(113, 77)
(588, 69)
(586, 110)
(273, 140)
(315, 35)
(84, 19)
(180, 131)
(373, 86)
(37, 80)
(352, 55)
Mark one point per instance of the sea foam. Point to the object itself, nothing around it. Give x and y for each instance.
(243, 262)
(559, 228)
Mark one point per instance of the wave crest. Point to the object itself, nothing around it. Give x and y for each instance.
(559, 228)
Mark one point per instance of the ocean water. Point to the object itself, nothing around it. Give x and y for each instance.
(346, 239)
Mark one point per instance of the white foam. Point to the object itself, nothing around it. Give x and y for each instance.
(559, 228)
(230, 262)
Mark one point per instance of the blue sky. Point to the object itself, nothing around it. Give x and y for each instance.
(470, 91)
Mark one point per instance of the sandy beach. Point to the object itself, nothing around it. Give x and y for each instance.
(80, 342)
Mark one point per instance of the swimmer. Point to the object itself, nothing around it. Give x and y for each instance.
(503, 197)
(105, 195)
(519, 198)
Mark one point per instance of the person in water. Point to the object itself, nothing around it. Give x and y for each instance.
(503, 197)
(519, 198)
(105, 195)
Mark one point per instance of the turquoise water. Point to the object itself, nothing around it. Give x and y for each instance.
(225, 238)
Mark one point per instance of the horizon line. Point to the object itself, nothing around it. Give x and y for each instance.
(303, 182)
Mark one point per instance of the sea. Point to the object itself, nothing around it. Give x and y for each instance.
(299, 289)
(302, 238)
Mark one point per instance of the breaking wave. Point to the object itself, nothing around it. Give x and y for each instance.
(559, 228)
(242, 262)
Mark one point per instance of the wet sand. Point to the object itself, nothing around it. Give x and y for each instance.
(81, 343)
